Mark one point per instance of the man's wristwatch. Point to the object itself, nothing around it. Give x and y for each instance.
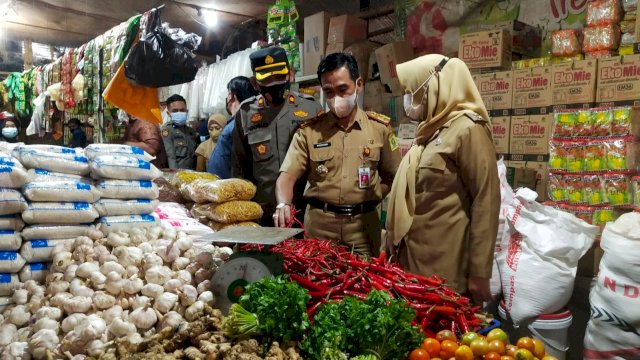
(281, 205)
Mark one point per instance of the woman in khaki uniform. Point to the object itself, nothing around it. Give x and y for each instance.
(445, 199)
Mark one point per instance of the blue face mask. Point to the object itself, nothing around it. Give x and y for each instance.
(10, 132)
(179, 118)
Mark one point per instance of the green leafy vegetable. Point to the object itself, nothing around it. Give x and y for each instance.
(240, 322)
(365, 357)
(379, 326)
(280, 306)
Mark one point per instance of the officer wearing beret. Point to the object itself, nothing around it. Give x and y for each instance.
(265, 125)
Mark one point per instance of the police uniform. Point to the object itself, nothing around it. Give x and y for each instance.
(346, 168)
(263, 134)
(180, 145)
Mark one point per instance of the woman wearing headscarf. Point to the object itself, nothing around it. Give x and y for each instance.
(10, 128)
(203, 152)
(445, 199)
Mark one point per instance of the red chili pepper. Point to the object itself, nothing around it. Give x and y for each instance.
(306, 283)
(415, 288)
(409, 295)
(444, 311)
(429, 281)
(424, 324)
(355, 294)
(381, 258)
(388, 284)
(462, 323)
(312, 310)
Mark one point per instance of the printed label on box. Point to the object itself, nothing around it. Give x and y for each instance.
(532, 88)
(496, 89)
(574, 82)
(619, 78)
(407, 131)
(486, 49)
(500, 129)
(530, 134)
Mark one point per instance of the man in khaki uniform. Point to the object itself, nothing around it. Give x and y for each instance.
(351, 158)
(444, 203)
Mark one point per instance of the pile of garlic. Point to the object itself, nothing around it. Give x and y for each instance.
(123, 286)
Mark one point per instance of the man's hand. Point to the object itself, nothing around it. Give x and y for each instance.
(282, 216)
(479, 289)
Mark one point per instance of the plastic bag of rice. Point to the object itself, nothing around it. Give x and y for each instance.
(7, 148)
(13, 177)
(109, 224)
(128, 189)
(8, 284)
(123, 168)
(11, 262)
(220, 226)
(40, 250)
(229, 212)
(34, 271)
(34, 175)
(59, 213)
(63, 163)
(56, 149)
(61, 191)
(11, 222)
(115, 207)
(55, 232)
(11, 202)
(10, 240)
(9, 160)
(94, 150)
(219, 191)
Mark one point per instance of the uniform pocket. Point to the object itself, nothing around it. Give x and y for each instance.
(321, 163)
(261, 147)
(373, 155)
(181, 148)
(434, 173)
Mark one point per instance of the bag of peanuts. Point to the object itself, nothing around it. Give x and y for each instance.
(220, 191)
(229, 212)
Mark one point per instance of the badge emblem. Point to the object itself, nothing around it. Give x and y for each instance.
(393, 142)
(301, 114)
(322, 169)
(256, 118)
(165, 132)
(292, 99)
(268, 60)
(366, 151)
(438, 141)
(261, 149)
(261, 102)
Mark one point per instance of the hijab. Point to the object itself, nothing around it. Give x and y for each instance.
(206, 148)
(448, 95)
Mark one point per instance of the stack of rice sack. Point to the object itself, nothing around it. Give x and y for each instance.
(124, 177)
(60, 203)
(12, 177)
(224, 203)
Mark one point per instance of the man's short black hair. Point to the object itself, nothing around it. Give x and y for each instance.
(174, 98)
(241, 88)
(336, 61)
(75, 121)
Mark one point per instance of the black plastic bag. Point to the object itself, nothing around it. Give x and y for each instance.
(159, 61)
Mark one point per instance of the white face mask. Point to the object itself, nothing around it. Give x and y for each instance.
(416, 112)
(341, 107)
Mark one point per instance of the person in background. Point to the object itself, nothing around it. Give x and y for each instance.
(203, 130)
(10, 128)
(146, 136)
(78, 137)
(240, 89)
(203, 152)
(180, 140)
(445, 200)
(265, 125)
(351, 157)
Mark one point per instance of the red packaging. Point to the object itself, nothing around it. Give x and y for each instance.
(604, 37)
(603, 12)
(565, 42)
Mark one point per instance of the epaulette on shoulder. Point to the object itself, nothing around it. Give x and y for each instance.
(306, 96)
(475, 117)
(313, 121)
(382, 119)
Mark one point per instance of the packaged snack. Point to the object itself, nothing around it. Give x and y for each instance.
(628, 26)
(583, 123)
(186, 177)
(575, 157)
(618, 189)
(220, 226)
(600, 54)
(598, 38)
(557, 190)
(602, 121)
(557, 156)
(594, 193)
(629, 5)
(584, 213)
(622, 154)
(636, 191)
(603, 12)
(229, 212)
(565, 42)
(622, 122)
(220, 191)
(574, 185)
(595, 153)
(564, 121)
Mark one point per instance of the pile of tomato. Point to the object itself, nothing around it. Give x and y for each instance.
(494, 346)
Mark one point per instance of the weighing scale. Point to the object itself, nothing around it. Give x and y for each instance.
(245, 267)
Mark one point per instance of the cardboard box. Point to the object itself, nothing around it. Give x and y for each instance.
(530, 134)
(486, 49)
(532, 88)
(347, 29)
(407, 131)
(574, 82)
(387, 57)
(373, 101)
(619, 79)
(541, 169)
(496, 89)
(334, 48)
(519, 177)
(316, 30)
(373, 71)
(362, 53)
(526, 39)
(405, 145)
(394, 106)
(501, 131)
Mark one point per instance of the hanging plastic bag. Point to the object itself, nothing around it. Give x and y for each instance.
(506, 195)
(157, 60)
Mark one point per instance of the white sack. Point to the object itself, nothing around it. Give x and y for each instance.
(94, 150)
(59, 213)
(40, 250)
(124, 223)
(11, 222)
(12, 177)
(115, 207)
(63, 163)
(11, 262)
(123, 168)
(61, 191)
(11, 202)
(128, 189)
(10, 240)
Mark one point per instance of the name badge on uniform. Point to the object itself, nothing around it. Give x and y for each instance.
(321, 145)
(364, 177)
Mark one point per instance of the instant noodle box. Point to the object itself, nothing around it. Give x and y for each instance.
(574, 82)
(532, 90)
(501, 131)
(486, 49)
(496, 90)
(530, 134)
(619, 80)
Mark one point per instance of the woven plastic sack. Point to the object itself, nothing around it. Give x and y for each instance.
(61, 191)
(55, 232)
(40, 250)
(11, 202)
(59, 213)
(7, 148)
(229, 212)
(506, 195)
(128, 189)
(94, 150)
(11, 262)
(220, 191)
(10, 240)
(115, 207)
(8, 284)
(18, 150)
(123, 168)
(111, 224)
(62, 163)
(11, 222)
(12, 177)
(35, 271)
(220, 226)
(34, 175)
(9, 160)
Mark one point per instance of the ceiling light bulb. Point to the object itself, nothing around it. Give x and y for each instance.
(210, 18)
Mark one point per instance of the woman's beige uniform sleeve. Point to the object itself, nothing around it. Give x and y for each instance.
(477, 164)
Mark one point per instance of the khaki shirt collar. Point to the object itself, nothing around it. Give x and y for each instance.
(361, 116)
